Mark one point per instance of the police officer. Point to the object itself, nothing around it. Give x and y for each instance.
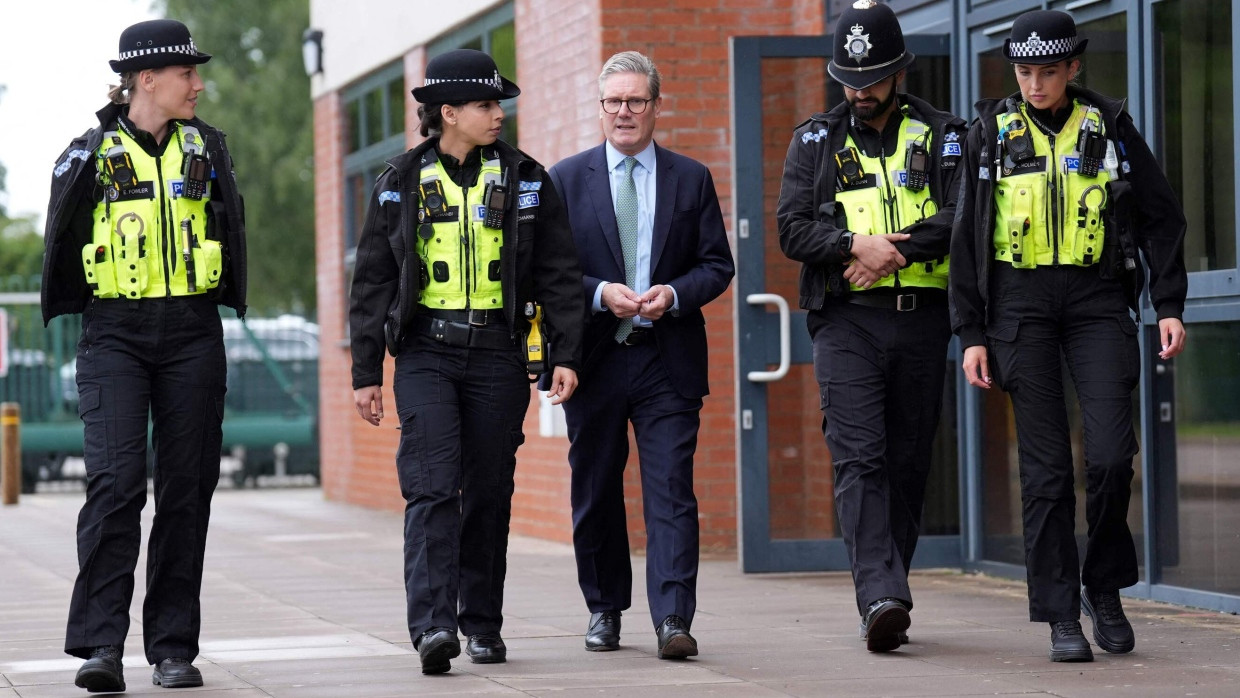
(145, 238)
(465, 246)
(866, 205)
(1060, 191)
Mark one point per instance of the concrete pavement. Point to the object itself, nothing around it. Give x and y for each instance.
(304, 598)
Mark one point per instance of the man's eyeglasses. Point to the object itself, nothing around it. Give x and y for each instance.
(636, 106)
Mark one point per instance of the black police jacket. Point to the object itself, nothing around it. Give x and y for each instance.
(538, 262)
(70, 212)
(808, 231)
(1152, 221)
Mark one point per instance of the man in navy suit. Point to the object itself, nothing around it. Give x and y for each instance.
(653, 250)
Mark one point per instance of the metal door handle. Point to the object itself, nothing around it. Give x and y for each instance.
(785, 337)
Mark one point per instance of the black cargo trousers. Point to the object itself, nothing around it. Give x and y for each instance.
(880, 373)
(161, 358)
(1037, 315)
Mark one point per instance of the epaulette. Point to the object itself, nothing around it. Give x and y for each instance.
(820, 116)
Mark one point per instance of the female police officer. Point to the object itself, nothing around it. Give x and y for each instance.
(1061, 192)
(145, 237)
(464, 242)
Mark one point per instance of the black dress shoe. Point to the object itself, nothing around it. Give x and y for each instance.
(603, 635)
(1068, 643)
(102, 673)
(175, 672)
(486, 648)
(1112, 631)
(436, 648)
(861, 634)
(886, 621)
(675, 642)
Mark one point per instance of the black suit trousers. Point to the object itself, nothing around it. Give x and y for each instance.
(880, 375)
(161, 358)
(461, 411)
(1038, 315)
(630, 383)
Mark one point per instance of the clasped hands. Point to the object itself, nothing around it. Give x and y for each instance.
(624, 302)
(874, 256)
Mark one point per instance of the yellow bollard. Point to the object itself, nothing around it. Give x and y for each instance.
(11, 451)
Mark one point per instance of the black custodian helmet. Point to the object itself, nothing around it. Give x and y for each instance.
(463, 75)
(1043, 36)
(869, 45)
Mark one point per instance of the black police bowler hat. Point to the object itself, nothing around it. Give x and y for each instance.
(869, 45)
(1043, 36)
(154, 44)
(463, 75)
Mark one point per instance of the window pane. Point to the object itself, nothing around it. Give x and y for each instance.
(374, 116)
(474, 43)
(353, 125)
(1199, 500)
(1194, 122)
(504, 50)
(357, 189)
(396, 107)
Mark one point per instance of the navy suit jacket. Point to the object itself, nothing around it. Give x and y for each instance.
(689, 252)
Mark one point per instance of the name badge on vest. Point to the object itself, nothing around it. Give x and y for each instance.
(1029, 166)
(449, 215)
(140, 190)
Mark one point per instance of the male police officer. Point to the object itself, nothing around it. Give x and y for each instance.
(866, 205)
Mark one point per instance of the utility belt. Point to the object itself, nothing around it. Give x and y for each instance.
(476, 317)
(463, 334)
(906, 300)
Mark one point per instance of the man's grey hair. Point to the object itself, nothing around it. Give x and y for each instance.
(631, 62)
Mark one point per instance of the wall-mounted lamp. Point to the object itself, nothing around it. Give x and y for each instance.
(312, 51)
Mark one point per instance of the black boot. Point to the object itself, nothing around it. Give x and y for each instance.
(176, 672)
(436, 648)
(102, 673)
(486, 648)
(1112, 631)
(1068, 643)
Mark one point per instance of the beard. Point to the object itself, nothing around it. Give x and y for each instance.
(870, 111)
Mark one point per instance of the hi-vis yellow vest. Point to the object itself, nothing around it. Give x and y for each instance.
(143, 234)
(1046, 211)
(890, 206)
(461, 254)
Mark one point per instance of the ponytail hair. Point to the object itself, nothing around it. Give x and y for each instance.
(119, 94)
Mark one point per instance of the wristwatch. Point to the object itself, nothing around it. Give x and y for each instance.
(846, 241)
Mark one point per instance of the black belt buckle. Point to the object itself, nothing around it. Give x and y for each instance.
(638, 335)
(477, 317)
(906, 301)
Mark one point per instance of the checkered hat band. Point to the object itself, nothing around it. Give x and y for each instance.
(490, 82)
(1053, 47)
(187, 49)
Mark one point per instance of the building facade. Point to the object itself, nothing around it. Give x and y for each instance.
(739, 75)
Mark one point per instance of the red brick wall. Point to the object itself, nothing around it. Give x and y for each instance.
(561, 46)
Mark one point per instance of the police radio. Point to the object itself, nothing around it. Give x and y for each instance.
(916, 166)
(494, 198)
(848, 168)
(1092, 147)
(195, 174)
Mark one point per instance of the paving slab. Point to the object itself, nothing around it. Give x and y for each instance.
(304, 598)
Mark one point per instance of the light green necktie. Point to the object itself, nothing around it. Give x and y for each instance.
(626, 221)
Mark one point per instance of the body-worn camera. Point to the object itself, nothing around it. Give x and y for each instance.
(1017, 144)
(433, 205)
(848, 167)
(916, 166)
(120, 170)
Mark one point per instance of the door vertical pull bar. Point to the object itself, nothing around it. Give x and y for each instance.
(785, 337)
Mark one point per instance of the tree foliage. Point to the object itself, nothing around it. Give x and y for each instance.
(21, 245)
(258, 93)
